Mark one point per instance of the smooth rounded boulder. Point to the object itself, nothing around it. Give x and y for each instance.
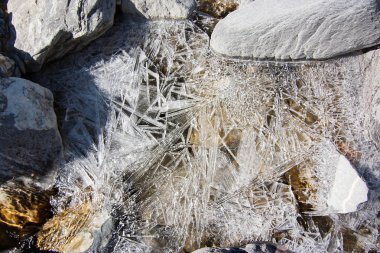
(298, 29)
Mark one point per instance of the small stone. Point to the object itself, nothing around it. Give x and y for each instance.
(80, 243)
(7, 66)
(348, 190)
(327, 183)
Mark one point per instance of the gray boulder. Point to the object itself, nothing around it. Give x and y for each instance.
(49, 29)
(165, 9)
(30, 144)
(298, 29)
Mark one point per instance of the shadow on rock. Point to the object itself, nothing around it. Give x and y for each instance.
(22, 61)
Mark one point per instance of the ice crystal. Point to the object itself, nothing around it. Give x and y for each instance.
(185, 149)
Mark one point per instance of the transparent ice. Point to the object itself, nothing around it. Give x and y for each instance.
(183, 148)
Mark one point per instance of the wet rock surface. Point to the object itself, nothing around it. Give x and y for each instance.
(48, 30)
(30, 144)
(298, 30)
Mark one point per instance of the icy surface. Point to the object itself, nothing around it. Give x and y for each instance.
(184, 149)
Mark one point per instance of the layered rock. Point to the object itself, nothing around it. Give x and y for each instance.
(49, 29)
(23, 209)
(30, 144)
(84, 229)
(298, 30)
(152, 9)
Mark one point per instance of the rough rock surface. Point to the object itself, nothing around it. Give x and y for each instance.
(298, 29)
(84, 230)
(23, 209)
(153, 9)
(30, 143)
(49, 29)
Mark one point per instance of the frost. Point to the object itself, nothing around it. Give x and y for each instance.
(184, 149)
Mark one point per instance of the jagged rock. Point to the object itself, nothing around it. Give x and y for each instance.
(259, 247)
(49, 29)
(153, 9)
(84, 228)
(348, 189)
(30, 144)
(328, 183)
(23, 209)
(298, 29)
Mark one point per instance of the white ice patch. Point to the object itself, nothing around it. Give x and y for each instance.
(348, 190)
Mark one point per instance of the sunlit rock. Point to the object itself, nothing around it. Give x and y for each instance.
(74, 230)
(23, 210)
(49, 29)
(328, 183)
(298, 30)
(348, 189)
(30, 144)
(166, 9)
